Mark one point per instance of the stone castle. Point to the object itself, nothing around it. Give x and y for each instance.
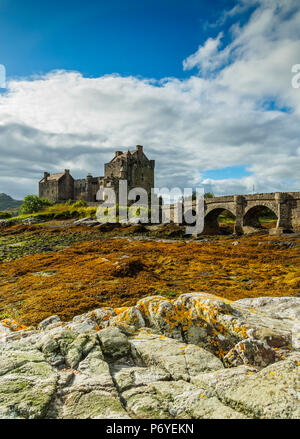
(132, 166)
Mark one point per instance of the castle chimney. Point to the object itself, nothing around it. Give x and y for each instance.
(67, 171)
(118, 153)
(46, 175)
(139, 149)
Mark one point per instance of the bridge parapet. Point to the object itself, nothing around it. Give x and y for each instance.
(247, 208)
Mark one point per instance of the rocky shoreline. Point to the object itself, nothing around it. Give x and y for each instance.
(197, 356)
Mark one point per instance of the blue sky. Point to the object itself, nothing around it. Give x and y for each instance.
(204, 86)
(148, 38)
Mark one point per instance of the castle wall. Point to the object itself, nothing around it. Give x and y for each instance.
(80, 189)
(132, 166)
(141, 175)
(66, 188)
(49, 190)
(136, 169)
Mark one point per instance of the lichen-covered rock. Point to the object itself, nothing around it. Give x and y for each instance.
(114, 343)
(210, 380)
(95, 404)
(250, 352)
(286, 309)
(272, 393)
(275, 307)
(131, 317)
(198, 356)
(79, 348)
(185, 400)
(211, 322)
(181, 360)
(129, 377)
(48, 321)
(27, 383)
(92, 393)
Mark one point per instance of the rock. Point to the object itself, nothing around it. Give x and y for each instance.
(86, 222)
(272, 393)
(83, 325)
(27, 383)
(90, 393)
(198, 356)
(210, 380)
(50, 320)
(228, 322)
(275, 307)
(250, 352)
(101, 316)
(79, 348)
(4, 330)
(189, 401)
(7, 223)
(281, 308)
(95, 404)
(160, 314)
(128, 268)
(129, 377)
(211, 322)
(182, 361)
(278, 244)
(114, 343)
(131, 317)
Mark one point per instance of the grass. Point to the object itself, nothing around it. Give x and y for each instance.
(59, 211)
(264, 220)
(62, 211)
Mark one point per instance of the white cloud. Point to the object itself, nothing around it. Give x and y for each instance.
(226, 115)
(208, 57)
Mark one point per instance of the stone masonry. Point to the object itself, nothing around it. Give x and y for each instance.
(132, 166)
(247, 209)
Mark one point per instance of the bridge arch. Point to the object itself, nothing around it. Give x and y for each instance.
(211, 219)
(253, 214)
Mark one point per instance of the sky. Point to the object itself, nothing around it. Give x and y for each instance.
(205, 87)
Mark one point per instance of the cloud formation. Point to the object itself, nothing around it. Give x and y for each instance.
(238, 107)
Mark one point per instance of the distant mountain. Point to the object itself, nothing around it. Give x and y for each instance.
(7, 202)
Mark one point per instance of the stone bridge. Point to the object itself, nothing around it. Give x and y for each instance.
(247, 210)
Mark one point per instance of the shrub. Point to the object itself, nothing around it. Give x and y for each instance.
(65, 214)
(5, 215)
(206, 195)
(79, 203)
(33, 203)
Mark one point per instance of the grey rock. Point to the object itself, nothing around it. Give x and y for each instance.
(250, 352)
(272, 393)
(161, 359)
(114, 343)
(27, 383)
(181, 360)
(50, 320)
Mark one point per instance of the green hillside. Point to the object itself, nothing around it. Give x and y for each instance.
(7, 202)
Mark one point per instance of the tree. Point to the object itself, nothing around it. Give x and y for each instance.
(206, 195)
(33, 203)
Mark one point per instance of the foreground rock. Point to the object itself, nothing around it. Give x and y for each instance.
(198, 356)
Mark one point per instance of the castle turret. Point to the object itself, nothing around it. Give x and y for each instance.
(139, 149)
